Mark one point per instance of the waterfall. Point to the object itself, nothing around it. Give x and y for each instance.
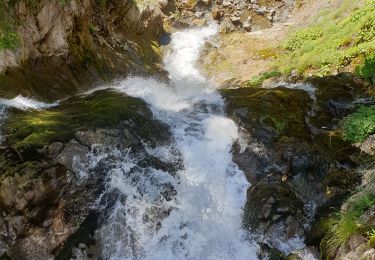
(203, 220)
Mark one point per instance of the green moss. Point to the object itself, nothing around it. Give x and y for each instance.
(101, 2)
(27, 131)
(358, 126)
(63, 2)
(9, 40)
(371, 240)
(258, 80)
(335, 39)
(282, 109)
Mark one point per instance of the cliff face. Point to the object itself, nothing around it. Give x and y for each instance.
(50, 49)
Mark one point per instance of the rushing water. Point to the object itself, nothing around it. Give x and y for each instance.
(19, 102)
(203, 220)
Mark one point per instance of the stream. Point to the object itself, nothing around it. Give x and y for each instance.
(194, 212)
(204, 216)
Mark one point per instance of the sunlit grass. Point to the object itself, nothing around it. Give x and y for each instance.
(332, 41)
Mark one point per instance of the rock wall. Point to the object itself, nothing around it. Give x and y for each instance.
(67, 46)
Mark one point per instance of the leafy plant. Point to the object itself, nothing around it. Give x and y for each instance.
(9, 40)
(367, 69)
(358, 126)
(336, 38)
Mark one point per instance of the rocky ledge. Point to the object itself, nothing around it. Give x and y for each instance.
(53, 49)
(49, 187)
(293, 154)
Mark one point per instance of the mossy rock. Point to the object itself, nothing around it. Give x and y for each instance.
(283, 110)
(28, 131)
(335, 96)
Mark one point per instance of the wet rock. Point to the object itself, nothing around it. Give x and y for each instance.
(163, 3)
(278, 144)
(235, 19)
(206, 2)
(265, 211)
(8, 191)
(216, 14)
(227, 25)
(355, 241)
(247, 24)
(200, 22)
(54, 149)
(199, 14)
(368, 218)
(29, 196)
(21, 204)
(271, 200)
(293, 228)
(72, 154)
(226, 3)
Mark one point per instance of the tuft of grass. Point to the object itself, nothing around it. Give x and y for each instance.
(358, 126)
(371, 238)
(367, 69)
(258, 80)
(346, 224)
(334, 39)
(9, 40)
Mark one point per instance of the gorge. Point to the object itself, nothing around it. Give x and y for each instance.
(116, 148)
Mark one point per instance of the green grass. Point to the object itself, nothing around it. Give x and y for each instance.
(258, 80)
(346, 224)
(367, 69)
(335, 38)
(9, 39)
(358, 126)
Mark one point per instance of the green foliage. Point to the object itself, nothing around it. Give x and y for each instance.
(9, 40)
(101, 2)
(359, 125)
(367, 69)
(300, 38)
(258, 80)
(336, 38)
(371, 238)
(63, 2)
(342, 226)
(92, 28)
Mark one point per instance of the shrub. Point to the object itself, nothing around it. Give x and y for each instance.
(367, 69)
(358, 126)
(9, 40)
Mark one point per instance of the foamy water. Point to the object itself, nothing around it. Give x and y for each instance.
(204, 216)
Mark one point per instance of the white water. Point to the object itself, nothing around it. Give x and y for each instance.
(19, 102)
(204, 220)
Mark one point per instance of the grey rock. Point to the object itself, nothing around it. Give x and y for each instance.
(265, 211)
(54, 149)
